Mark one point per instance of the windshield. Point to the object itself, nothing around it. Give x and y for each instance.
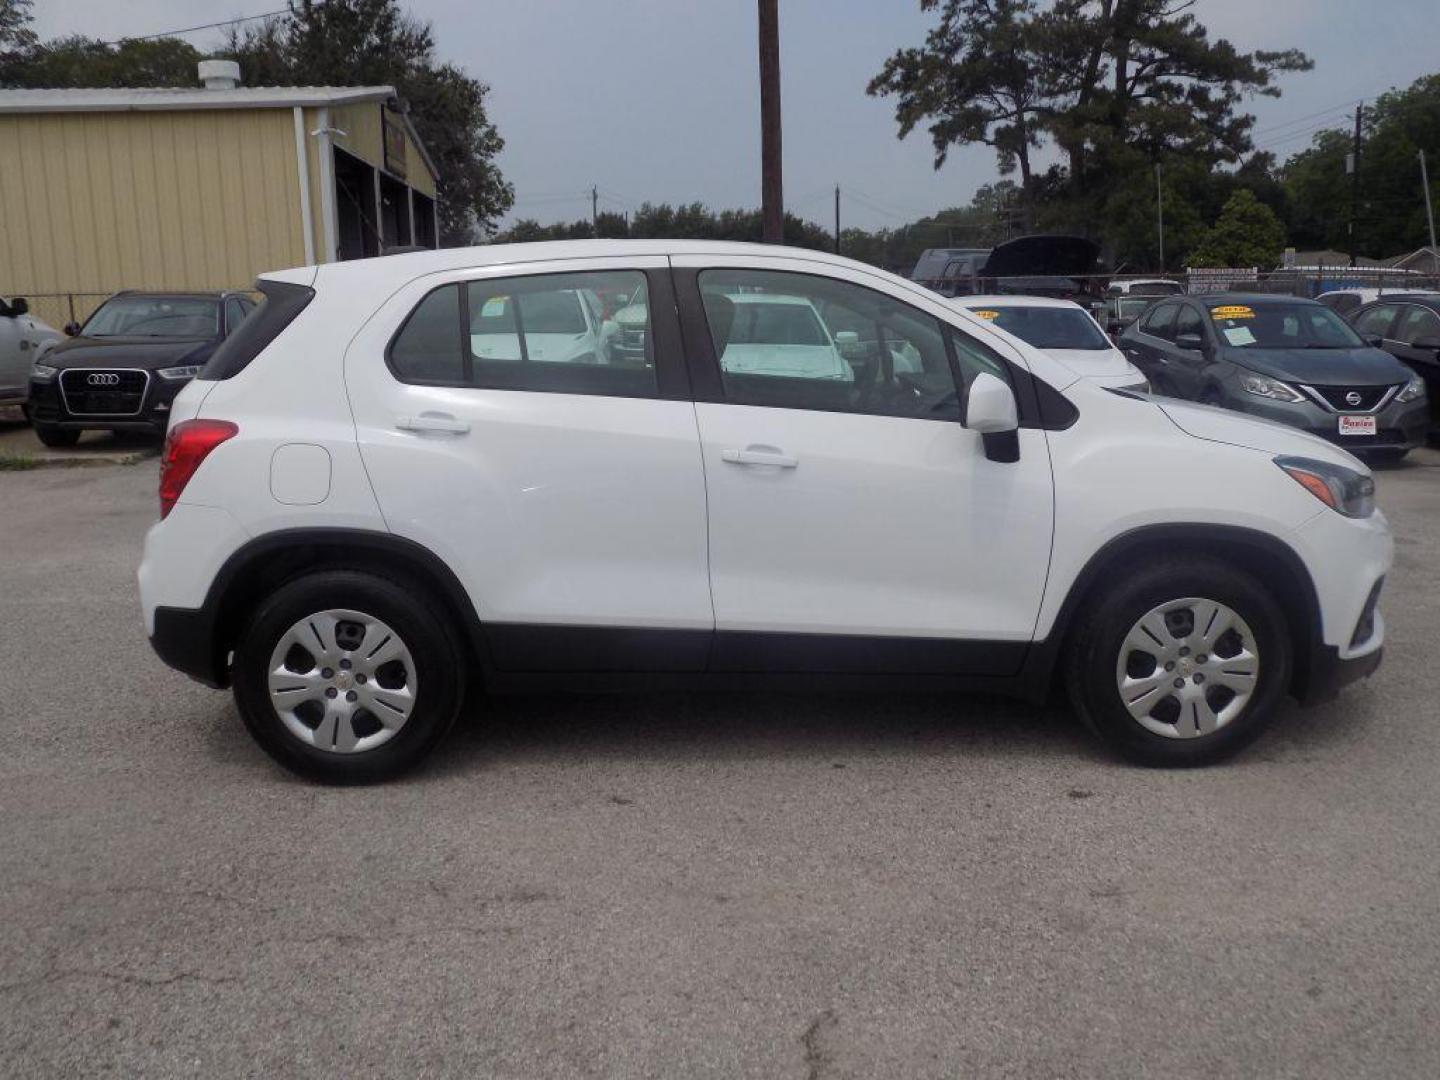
(155, 316)
(1282, 326)
(1048, 327)
(776, 324)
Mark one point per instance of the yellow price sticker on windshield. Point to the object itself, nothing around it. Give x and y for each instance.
(986, 315)
(1233, 311)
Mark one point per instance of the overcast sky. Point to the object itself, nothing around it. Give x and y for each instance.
(658, 100)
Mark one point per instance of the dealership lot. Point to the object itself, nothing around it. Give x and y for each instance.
(725, 885)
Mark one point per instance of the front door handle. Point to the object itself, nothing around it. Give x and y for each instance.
(442, 423)
(760, 455)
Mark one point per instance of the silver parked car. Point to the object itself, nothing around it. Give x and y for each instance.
(22, 338)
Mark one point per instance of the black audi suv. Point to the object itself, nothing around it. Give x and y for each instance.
(121, 370)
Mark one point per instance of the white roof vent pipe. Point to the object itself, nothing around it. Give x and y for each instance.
(220, 74)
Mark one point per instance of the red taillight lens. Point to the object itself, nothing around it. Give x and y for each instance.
(187, 445)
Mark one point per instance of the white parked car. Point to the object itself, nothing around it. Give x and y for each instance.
(1063, 330)
(361, 515)
(1345, 301)
(23, 340)
(1145, 287)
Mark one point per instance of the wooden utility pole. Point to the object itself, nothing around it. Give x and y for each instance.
(1429, 215)
(594, 210)
(837, 219)
(1354, 164)
(1160, 216)
(772, 198)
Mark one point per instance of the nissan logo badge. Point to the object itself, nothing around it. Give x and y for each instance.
(104, 378)
(1353, 398)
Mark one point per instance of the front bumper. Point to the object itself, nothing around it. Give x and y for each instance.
(48, 406)
(1398, 427)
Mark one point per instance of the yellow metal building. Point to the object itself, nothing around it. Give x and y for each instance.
(102, 190)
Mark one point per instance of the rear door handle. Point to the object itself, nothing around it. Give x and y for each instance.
(760, 455)
(443, 423)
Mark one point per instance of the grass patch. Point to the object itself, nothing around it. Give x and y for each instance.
(17, 462)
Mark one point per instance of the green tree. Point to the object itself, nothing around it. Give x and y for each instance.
(1247, 233)
(1391, 220)
(980, 77)
(15, 32)
(1116, 86)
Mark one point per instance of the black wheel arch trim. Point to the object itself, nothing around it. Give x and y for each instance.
(198, 641)
(1312, 657)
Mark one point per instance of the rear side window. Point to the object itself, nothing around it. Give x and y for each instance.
(1189, 322)
(548, 333)
(281, 304)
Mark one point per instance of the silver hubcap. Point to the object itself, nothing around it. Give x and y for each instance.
(342, 681)
(1187, 668)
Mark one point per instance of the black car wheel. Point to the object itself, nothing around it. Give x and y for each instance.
(1181, 662)
(345, 676)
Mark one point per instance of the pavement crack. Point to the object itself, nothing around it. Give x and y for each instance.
(817, 1058)
(129, 978)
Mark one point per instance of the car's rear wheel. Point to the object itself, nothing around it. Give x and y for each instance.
(347, 676)
(56, 437)
(1181, 663)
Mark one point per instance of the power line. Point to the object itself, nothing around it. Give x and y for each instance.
(207, 26)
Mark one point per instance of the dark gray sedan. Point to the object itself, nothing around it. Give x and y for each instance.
(1284, 359)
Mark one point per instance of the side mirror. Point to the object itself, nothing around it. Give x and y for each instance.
(1375, 341)
(1190, 342)
(991, 411)
(72, 329)
(19, 306)
(846, 338)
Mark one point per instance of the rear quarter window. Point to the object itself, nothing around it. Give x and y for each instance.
(282, 302)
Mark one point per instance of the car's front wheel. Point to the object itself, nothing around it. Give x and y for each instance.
(56, 437)
(347, 676)
(1183, 662)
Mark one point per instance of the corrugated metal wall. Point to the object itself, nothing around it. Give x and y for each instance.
(103, 201)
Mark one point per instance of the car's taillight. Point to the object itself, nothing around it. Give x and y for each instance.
(186, 446)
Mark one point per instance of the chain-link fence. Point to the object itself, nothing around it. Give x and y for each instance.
(57, 309)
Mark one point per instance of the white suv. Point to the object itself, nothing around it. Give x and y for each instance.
(364, 511)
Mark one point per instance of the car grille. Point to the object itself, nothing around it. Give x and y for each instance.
(1367, 398)
(101, 392)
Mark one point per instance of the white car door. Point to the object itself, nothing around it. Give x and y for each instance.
(857, 525)
(567, 494)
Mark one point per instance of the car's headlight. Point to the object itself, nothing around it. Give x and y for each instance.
(1343, 490)
(1411, 391)
(1273, 389)
(187, 372)
(43, 373)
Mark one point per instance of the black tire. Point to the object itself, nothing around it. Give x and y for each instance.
(1112, 610)
(441, 662)
(56, 437)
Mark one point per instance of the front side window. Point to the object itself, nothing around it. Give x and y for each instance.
(155, 317)
(1282, 326)
(1047, 327)
(1376, 320)
(1188, 322)
(1161, 322)
(542, 333)
(1417, 324)
(235, 312)
(800, 341)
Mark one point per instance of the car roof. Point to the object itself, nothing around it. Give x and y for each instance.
(1018, 300)
(179, 294)
(1423, 299)
(1246, 299)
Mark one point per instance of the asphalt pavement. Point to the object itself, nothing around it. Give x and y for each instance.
(696, 885)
